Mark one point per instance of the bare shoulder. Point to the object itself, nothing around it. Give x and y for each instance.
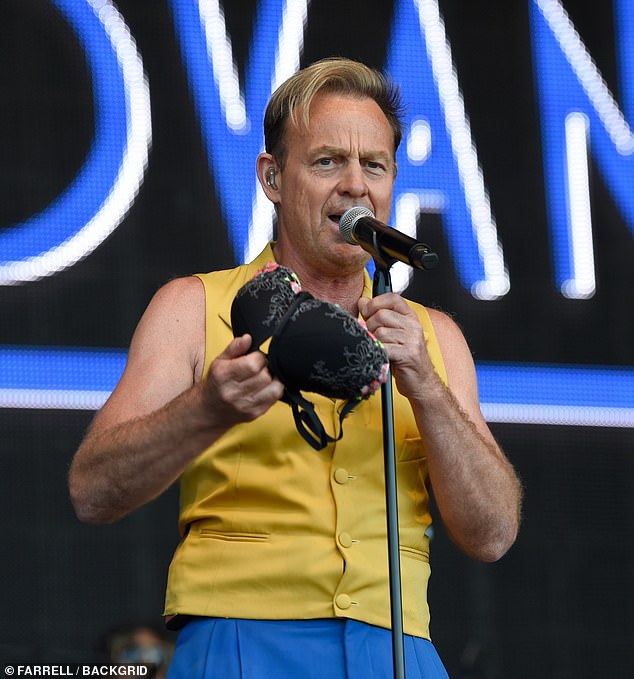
(180, 295)
(456, 354)
(460, 368)
(166, 354)
(176, 314)
(448, 332)
(180, 303)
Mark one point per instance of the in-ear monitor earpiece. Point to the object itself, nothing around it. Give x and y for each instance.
(270, 178)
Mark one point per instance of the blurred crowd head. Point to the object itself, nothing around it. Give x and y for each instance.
(137, 644)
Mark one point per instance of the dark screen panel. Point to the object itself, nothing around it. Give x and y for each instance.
(560, 603)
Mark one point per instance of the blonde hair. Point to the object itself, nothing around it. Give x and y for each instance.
(336, 75)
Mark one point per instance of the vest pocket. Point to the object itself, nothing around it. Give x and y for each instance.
(232, 536)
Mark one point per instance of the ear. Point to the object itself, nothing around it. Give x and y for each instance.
(269, 176)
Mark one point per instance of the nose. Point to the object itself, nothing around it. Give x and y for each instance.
(352, 181)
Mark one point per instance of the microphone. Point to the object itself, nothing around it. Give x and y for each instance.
(358, 226)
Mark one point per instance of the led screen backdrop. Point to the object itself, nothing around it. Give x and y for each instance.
(129, 132)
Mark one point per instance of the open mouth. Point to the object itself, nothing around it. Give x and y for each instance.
(334, 218)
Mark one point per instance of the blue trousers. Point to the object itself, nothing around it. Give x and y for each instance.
(219, 648)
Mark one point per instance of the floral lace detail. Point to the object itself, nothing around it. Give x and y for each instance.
(280, 284)
(305, 305)
(350, 324)
(362, 365)
(366, 364)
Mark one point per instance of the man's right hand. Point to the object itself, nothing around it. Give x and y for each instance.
(239, 386)
(164, 413)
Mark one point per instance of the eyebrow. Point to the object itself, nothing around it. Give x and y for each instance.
(341, 151)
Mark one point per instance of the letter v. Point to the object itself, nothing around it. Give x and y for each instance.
(231, 122)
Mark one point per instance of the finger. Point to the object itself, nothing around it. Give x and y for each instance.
(238, 346)
(391, 301)
(250, 368)
(253, 397)
(270, 393)
(382, 322)
(362, 304)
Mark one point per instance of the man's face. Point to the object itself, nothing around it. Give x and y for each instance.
(344, 159)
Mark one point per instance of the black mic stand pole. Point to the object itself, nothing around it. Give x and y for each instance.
(382, 283)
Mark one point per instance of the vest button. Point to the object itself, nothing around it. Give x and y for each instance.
(345, 539)
(341, 475)
(343, 601)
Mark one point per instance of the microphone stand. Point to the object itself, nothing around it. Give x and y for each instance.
(382, 283)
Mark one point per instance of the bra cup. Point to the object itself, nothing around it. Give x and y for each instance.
(261, 303)
(319, 347)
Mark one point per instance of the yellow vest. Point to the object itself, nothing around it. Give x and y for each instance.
(272, 529)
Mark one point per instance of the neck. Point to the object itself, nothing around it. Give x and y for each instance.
(340, 287)
(344, 291)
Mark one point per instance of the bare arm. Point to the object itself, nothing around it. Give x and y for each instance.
(162, 415)
(476, 488)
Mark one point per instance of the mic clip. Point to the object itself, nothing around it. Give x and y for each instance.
(419, 252)
(381, 259)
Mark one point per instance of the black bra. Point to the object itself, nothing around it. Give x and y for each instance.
(315, 346)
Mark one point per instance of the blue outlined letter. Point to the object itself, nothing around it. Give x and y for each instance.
(437, 164)
(578, 112)
(106, 186)
(232, 123)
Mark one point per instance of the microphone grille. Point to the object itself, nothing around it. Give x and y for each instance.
(349, 218)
